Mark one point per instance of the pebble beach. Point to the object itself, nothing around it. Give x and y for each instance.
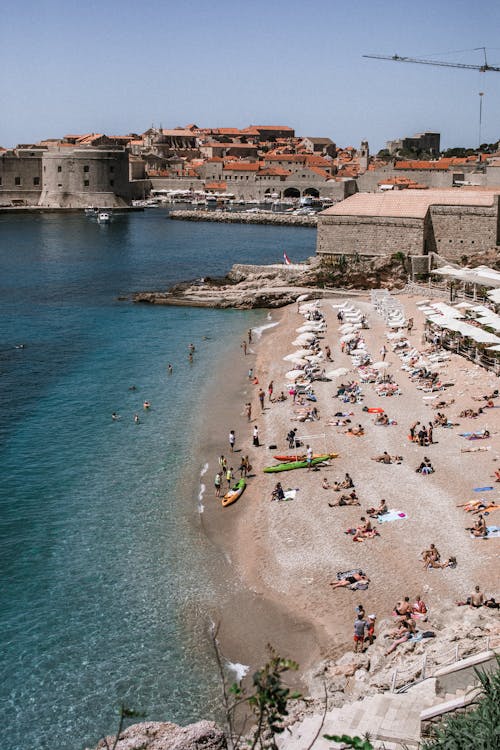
(288, 553)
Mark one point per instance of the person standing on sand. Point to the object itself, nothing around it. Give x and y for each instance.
(232, 440)
(223, 463)
(370, 629)
(270, 389)
(248, 411)
(249, 335)
(359, 633)
(229, 476)
(256, 436)
(309, 456)
(217, 484)
(244, 347)
(383, 352)
(250, 373)
(261, 398)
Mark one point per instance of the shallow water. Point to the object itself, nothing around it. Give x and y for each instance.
(107, 575)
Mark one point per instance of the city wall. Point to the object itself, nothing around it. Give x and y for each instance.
(369, 236)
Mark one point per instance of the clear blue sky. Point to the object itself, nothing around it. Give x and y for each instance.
(118, 67)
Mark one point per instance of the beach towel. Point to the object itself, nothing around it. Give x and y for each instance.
(289, 495)
(391, 515)
(343, 575)
(493, 533)
(482, 489)
(416, 637)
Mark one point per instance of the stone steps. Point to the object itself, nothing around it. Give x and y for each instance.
(392, 720)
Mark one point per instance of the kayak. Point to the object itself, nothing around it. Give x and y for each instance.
(302, 456)
(289, 465)
(234, 493)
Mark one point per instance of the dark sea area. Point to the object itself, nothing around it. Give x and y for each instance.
(107, 576)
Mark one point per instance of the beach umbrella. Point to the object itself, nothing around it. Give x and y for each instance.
(380, 365)
(299, 353)
(338, 373)
(304, 338)
(302, 298)
(315, 359)
(348, 327)
(294, 374)
(359, 350)
(296, 360)
(348, 337)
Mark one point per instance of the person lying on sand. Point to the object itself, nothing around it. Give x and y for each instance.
(496, 475)
(443, 404)
(355, 431)
(479, 435)
(403, 634)
(382, 419)
(488, 397)
(375, 512)
(384, 458)
(351, 499)
(349, 580)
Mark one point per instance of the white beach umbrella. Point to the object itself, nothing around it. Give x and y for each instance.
(298, 360)
(338, 373)
(359, 350)
(304, 338)
(380, 365)
(310, 328)
(299, 353)
(348, 337)
(302, 298)
(294, 374)
(348, 327)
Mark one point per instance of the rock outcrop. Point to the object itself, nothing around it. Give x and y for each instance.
(159, 735)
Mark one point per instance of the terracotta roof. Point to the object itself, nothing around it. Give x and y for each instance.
(178, 132)
(407, 203)
(274, 172)
(312, 160)
(421, 164)
(271, 127)
(320, 172)
(215, 186)
(242, 166)
(214, 158)
(299, 158)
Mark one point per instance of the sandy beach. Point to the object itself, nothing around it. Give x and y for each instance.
(287, 553)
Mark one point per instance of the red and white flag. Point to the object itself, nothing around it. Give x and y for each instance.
(286, 259)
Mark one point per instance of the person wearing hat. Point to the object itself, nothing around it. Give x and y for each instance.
(370, 629)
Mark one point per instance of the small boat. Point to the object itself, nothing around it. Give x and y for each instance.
(289, 465)
(234, 493)
(302, 456)
(103, 217)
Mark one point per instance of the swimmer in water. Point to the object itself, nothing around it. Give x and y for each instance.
(136, 418)
(132, 388)
(146, 405)
(115, 416)
(190, 358)
(170, 369)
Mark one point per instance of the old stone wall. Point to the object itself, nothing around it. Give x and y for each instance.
(368, 182)
(369, 236)
(258, 189)
(76, 178)
(464, 230)
(21, 177)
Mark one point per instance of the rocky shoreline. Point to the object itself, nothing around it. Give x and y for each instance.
(245, 217)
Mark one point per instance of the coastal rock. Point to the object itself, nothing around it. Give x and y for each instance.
(157, 735)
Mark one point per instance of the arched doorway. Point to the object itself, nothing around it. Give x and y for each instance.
(312, 191)
(291, 192)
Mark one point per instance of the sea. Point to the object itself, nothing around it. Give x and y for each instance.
(107, 575)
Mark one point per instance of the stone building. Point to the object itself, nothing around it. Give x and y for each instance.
(21, 176)
(80, 177)
(428, 142)
(451, 223)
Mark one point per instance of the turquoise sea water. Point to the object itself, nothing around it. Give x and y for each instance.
(104, 565)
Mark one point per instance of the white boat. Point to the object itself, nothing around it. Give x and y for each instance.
(103, 217)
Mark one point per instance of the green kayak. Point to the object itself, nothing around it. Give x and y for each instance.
(289, 465)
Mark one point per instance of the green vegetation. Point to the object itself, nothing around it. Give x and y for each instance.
(479, 728)
(355, 742)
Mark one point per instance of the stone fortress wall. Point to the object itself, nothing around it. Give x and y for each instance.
(21, 177)
(77, 178)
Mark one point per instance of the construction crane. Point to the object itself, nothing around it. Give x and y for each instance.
(484, 68)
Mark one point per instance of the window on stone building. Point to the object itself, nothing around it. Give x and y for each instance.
(111, 169)
(59, 168)
(86, 168)
(111, 183)
(36, 180)
(85, 183)
(0, 180)
(17, 180)
(59, 184)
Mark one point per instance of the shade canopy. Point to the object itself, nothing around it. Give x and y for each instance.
(294, 374)
(338, 373)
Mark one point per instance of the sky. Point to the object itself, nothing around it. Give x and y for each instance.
(119, 67)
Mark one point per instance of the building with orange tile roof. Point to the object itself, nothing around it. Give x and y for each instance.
(451, 223)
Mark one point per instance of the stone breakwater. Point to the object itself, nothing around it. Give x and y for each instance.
(244, 217)
(245, 287)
